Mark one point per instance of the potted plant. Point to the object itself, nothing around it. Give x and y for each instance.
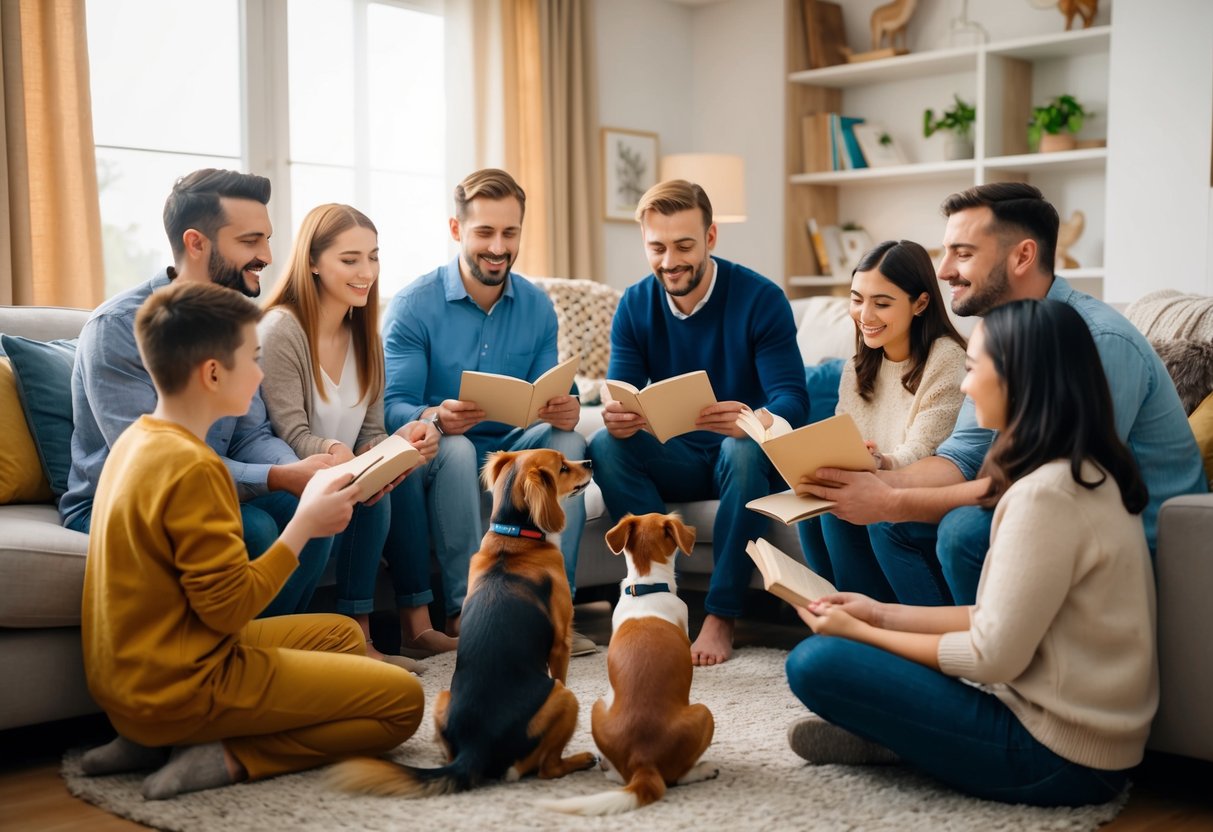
(1053, 125)
(958, 121)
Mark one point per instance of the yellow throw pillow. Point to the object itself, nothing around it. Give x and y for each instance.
(1201, 421)
(21, 477)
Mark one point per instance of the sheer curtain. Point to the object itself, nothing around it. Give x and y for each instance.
(50, 225)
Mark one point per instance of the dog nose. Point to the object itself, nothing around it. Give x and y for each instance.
(587, 463)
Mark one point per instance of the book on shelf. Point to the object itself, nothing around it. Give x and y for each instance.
(878, 146)
(818, 243)
(816, 142)
(670, 406)
(852, 156)
(824, 33)
(516, 401)
(785, 577)
(827, 247)
(375, 468)
(797, 454)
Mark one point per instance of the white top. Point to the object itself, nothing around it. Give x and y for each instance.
(340, 416)
(907, 426)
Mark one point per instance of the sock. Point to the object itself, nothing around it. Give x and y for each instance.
(190, 768)
(120, 755)
(823, 743)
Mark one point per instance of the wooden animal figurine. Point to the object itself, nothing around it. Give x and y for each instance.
(1068, 233)
(890, 19)
(1083, 8)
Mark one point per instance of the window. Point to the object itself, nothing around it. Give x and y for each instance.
(178, 85)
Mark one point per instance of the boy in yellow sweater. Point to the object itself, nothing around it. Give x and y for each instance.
(171, 648)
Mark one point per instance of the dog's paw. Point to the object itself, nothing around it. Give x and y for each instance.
(699, 772)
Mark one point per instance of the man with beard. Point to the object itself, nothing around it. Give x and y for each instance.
(698, 312)
(219, 231)
(999, 246)
(471, 314)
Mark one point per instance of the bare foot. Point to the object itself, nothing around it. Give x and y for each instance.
(452, 626)
(430, 641)
(714, 645)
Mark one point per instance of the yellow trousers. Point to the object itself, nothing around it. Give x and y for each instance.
(314, 699)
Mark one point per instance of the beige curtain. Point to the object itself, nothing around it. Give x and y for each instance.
(50, 223)
(550, 128)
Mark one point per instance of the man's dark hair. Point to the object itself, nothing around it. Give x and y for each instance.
(194, 202)
(1019, 209)
(186, 323)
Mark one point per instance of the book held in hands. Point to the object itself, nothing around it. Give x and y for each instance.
(516, 401)
(797, 454)
(785, 577)
(670, 406)
(375, 468)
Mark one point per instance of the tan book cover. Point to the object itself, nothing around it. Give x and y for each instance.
(670, 406)
(786, 577)
(377, 467)
(516, 401)
(830, 443)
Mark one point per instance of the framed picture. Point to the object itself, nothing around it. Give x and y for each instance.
(629, 168)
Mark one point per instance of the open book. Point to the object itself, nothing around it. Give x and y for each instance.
(516, 401)
(830, 443)
(670, 406)
(377, 467)
(786, 577)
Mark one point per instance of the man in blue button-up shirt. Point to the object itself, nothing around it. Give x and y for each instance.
(219, 231)
(472, 314)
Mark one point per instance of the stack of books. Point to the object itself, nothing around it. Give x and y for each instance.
(837, 142)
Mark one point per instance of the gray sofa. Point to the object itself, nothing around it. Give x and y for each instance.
(42, 573)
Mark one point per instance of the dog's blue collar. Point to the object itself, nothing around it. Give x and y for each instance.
(516, 531)
(636, 590)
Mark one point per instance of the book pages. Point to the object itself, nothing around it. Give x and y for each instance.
(788, 508)
(670, 406)
(516, 401)
(786, 577)
(377, 467)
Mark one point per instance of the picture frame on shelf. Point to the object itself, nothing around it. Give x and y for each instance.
(629, 168)
(855, 243)
(878, 146)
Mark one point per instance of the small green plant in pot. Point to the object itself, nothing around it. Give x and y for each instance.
(958, 123)
(1054, 125)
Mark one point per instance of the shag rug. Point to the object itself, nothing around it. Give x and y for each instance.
(762, 784)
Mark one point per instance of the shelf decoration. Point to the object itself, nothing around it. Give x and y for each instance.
(824, 33)
(878, 146)
(1053, 126)
(887, 22)
(1068, 233)
(1085, 9)
(958, 123)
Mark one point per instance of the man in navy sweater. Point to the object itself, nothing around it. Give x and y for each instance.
(696, 312)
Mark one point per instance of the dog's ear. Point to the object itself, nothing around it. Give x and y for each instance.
(617, 537)
(494, 464)
(538, 487)
(682, 534)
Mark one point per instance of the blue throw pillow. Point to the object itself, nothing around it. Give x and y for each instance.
(43, 371)
(823, 380)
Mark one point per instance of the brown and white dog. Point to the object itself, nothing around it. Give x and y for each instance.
(508, 713)
(649, 733)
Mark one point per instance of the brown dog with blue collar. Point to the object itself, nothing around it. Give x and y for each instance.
(508, 713)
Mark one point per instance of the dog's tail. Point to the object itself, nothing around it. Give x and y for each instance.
(366, 775)
(645, 787)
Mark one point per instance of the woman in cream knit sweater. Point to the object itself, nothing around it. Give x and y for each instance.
(1043, 691)
(902, 388)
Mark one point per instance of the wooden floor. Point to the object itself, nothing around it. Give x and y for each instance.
(1170, 794)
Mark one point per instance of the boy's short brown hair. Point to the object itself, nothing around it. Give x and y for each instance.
(673, 196)
(186, 323)
(490, 183)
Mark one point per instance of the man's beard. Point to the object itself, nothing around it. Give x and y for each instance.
(692, 284)
(232, 277)
(993, 293)
(487, 279)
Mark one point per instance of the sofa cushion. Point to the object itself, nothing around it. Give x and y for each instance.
(826, 330)
(1190, 365)
(1167, 313)
(41, 568)
(21, 476)
(823, 380)
(584, 310)
(44, 374)
(1201, 421)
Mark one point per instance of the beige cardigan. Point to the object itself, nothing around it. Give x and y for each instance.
(1063, 629)
(289, 387)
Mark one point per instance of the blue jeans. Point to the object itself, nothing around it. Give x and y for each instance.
(964, 540)
(842, 553)
(264, 518)
(358, 550)
(441, 501)
(639, 474)
(953, 731)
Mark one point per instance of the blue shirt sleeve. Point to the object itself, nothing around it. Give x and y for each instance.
(115, 381)
(545, 359)
(777, 359)
(252, 449)
(627, 360)
(406, 365)
(967, 445)
(1128, 378)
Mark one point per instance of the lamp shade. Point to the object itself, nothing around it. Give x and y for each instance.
(721, 176)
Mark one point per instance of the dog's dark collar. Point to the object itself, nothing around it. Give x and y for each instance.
(636, 590)
(516, 531)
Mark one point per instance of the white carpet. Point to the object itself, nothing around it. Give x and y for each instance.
(762, 784)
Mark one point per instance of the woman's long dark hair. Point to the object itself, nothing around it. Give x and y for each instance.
(907, 266)
(1058, 404)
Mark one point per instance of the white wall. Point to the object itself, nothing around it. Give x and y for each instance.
(644, 51)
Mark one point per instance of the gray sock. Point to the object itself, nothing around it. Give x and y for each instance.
(120, 755)
(190, 768)
(823, 743)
